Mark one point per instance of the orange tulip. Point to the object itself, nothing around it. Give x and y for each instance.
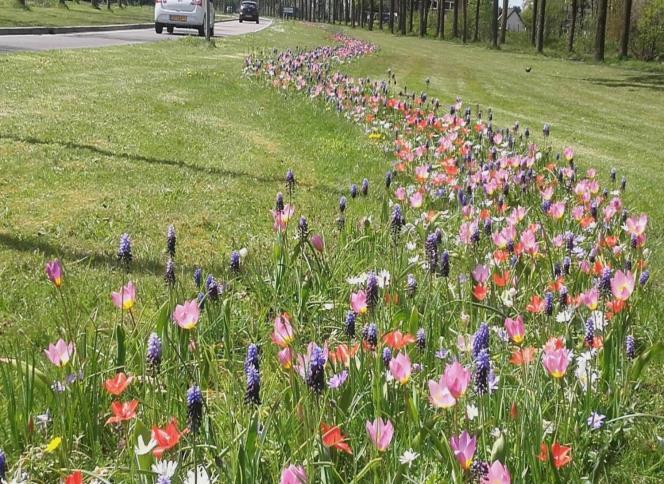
(397, 340)
(122, 411)
(118, 384)
(332, 437)
(560, 455)
(166, 438)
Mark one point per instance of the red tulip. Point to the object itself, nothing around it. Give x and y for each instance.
(118, 384)
(332, 437)
(122, 411)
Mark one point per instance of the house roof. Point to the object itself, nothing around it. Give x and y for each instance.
(512, 11)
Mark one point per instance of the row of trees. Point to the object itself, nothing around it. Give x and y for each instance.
(477, 19)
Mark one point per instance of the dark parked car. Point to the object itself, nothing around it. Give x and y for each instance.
(249, 11)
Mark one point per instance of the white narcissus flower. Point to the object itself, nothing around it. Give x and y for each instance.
(142, 448)
(410, 246)
(471, 412)
(599, 322)
(199, 477)
(408, 457)
(548, 427)
(383, 278)
(565, 316)
(165, 468)
(507, 297)
(243, 252)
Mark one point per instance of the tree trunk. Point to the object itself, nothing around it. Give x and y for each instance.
(422, 19)
(540, 27)
(572, 27)
(600, 34)
(412, 11)
(465, 20)
(627, 23)
(108, 4)
(362, 18)
(476, 36)
(439, 19)
(402, 16)
(455, 19)
(494, 25)
(371, 14)
(352, 13)
(391, 23)
(503, 21)
(533, 31)
(380, 14)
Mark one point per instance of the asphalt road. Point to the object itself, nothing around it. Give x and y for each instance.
(16, 43)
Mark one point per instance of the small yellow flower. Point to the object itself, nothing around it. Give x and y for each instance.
(53, 444)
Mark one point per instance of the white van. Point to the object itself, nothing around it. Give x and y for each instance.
(185, 14)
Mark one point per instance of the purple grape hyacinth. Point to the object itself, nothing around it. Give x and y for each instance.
(124, 249)
(316, 373)
(170, 241)
(252, 394)
(194, 408)
(153, 354)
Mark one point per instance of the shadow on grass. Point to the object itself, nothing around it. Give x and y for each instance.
(103, 261)
(643, 81)
(32, 243)
(210, 170)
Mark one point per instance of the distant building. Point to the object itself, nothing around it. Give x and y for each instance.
(514, 20)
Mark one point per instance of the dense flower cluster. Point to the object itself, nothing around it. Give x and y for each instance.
(481, 330)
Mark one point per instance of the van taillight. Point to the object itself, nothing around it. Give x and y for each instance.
(197, 2)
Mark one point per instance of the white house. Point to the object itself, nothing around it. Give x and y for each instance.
(514, 21)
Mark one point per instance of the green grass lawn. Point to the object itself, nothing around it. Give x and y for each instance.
(52, 14)
(131, 139)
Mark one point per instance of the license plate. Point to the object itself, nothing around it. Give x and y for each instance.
(178, 18)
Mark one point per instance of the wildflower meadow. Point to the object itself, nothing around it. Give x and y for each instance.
(481, 322)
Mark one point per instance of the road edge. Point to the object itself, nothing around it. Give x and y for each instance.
(79, 28)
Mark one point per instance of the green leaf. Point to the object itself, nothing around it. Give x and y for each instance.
(28, 369)
(122, 350)
(163, 317)
(365, 470)
(655, 351)
(498, 449)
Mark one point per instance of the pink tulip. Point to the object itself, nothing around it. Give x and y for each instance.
(283, 334)
(439, 395)
(54, 272)
(636, 225)
(480, 274)
(590, 298)
(317, 242)
(400, 368)
(464, 447)
(400, 194)
(416, 200)
(557, 210)
(568, 153)
(515, 329)
(125, 298)
(60, 353)
(293, 475)
(622, 285)
(285, 358)
(380, 432)
(358, 302)
(556, 361)
(186, 315)
(281, 217)
(456, 379)
(497, 474)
